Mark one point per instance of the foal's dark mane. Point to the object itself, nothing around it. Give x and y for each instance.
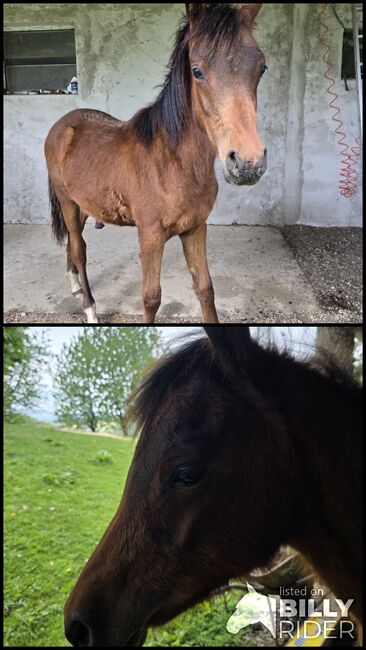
(169, 373)
(175, 369)
(217, 25)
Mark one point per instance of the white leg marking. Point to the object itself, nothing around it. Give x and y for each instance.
(91, 314)
(75, 282)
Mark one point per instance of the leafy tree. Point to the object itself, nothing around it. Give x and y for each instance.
(24, 356)
(123, 354)
(14, 346)
(342, 343)
(97, 371)
(76, 393)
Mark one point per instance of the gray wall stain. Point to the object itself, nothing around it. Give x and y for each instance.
(122, 53)
(295, 115)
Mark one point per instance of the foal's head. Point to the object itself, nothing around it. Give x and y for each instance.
(199, 498)
(226, 66)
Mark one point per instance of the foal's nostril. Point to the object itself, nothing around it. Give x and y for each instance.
(265, 153)
(234, 163)
(78, 634)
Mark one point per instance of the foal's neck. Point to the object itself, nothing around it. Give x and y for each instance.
(323, 421)
(196, 152)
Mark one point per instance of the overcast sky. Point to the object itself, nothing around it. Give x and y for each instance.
(300, 339)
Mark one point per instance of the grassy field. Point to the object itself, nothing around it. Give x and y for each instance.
(61, 490)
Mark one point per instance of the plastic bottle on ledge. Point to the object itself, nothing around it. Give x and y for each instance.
(73, 86)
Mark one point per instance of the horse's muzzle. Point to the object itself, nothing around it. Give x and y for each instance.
(241, 172)
(81, 635)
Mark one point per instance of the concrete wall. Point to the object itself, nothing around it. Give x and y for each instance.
(121, 53)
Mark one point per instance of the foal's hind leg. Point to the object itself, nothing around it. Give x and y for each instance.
(77, 254)
(71, 270)
(194, 246)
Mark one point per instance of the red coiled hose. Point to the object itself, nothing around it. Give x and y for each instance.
(348, 182)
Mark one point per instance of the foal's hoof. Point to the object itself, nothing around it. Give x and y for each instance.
(91, 314)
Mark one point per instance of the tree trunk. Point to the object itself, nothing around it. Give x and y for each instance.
(93, 422)
(123, 424)
(338, 342)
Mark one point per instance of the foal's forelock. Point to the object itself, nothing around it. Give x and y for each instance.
(171, 373)
(217, 28)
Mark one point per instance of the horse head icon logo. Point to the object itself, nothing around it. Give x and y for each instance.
(253, 608)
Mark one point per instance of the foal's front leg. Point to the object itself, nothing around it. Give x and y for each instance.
(152, 244)
(194, 246)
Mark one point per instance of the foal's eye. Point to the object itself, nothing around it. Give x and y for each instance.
(263, 69)
(197, 73)
(187, 474)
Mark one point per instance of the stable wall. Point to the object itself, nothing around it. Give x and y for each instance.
(122, 51)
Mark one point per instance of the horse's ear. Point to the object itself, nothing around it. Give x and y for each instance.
(249, 12)
(231, 346)
(193, 9)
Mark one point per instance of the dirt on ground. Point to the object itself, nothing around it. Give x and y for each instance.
(66, 318)
(331, 259)
(102, 434)
(40, 317)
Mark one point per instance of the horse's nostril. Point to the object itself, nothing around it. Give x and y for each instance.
(234, 163)
(78, 634)
(265, 152)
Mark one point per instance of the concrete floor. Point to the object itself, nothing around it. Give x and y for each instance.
(255, 275)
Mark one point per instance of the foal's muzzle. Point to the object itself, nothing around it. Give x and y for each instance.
(86, 635)
(79, 634)
(241, 172)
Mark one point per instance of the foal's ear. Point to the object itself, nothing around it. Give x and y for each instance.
(231, 346)
(193, 9)
(249, 12)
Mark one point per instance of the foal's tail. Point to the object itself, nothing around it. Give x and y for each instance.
(59, 229)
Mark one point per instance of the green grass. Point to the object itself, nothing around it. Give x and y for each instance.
(61, 491)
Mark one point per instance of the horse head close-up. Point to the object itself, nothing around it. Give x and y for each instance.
(227, 65)
(233, 439)
(156, 170)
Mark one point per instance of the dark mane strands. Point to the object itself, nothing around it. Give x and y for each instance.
(218, 25)
(172, 370)
(171, 108)
(169, 372)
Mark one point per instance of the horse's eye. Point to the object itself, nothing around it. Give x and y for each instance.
(187, 474)
(263, 69)
(197, 73)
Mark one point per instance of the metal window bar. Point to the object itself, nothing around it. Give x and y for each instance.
(356, 41)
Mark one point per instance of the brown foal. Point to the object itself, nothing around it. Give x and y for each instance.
(156, 171)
